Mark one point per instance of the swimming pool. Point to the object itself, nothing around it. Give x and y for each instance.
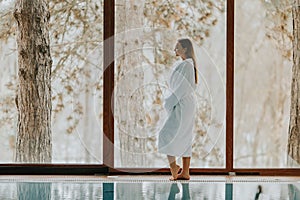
(147, 187)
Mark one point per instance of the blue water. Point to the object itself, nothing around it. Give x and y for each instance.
(10, 190)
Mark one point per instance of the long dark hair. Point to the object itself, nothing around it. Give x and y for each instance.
(186, 43)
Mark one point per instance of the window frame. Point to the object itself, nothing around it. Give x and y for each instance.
(108, 121)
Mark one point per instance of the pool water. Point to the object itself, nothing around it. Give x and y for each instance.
(84, 188)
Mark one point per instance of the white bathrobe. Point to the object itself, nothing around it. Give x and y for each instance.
(175, 137)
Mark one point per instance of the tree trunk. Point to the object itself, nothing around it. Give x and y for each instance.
(34, 191)
(33, 100)
(294, 126)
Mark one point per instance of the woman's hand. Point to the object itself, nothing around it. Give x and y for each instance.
(168, 107)
(170, 102)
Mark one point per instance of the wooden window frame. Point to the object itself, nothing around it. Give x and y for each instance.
(229, 169)
(108, 120)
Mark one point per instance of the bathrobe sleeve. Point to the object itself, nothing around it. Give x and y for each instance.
(182, 83)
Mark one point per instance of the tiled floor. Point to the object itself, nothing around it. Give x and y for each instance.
(149, 187)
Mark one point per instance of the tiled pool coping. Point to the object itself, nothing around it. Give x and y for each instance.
(147, 178)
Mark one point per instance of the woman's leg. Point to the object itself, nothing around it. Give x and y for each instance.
(185, 173)
(174, 168)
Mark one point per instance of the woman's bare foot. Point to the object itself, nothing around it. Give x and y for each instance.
(174, 172)
(183, 176)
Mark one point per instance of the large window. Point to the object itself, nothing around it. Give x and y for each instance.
(111, 65)
(76, 49)
(262, 84)
(145, 36)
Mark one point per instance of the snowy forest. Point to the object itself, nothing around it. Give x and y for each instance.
(145, 36)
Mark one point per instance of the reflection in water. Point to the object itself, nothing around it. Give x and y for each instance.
(108, 191)
(128, 191)
(271, 191)
(259, 191)
(11, 190)
(34, 191)
(185, 191)
(294, 192)
(228, 191)
(55, 190)
(173, 191)
(78, 191)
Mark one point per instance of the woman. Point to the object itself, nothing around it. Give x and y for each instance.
(175, 137)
